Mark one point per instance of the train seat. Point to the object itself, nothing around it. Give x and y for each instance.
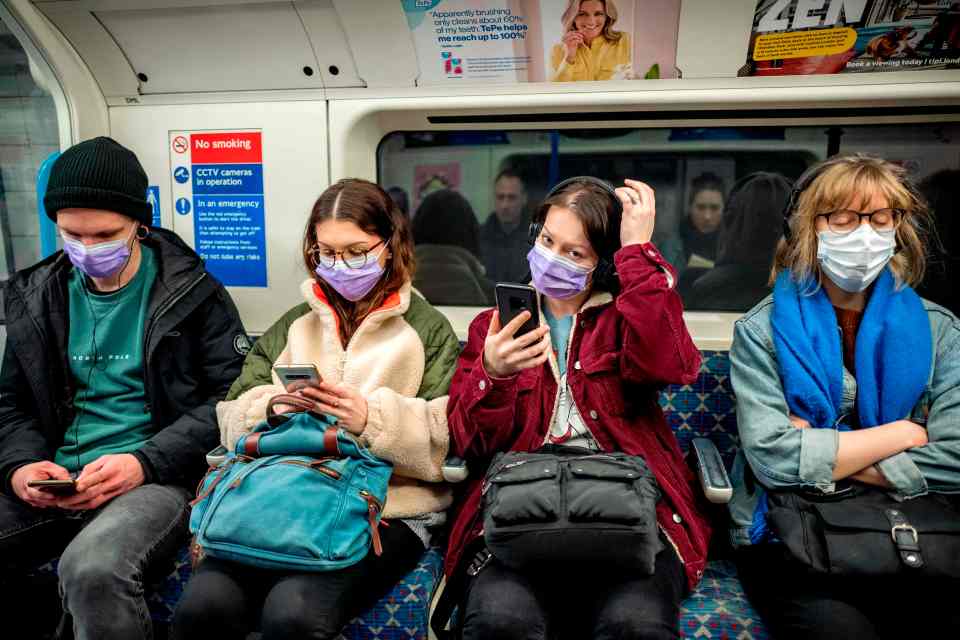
(718, 607)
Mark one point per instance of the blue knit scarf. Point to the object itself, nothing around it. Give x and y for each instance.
(893, 354)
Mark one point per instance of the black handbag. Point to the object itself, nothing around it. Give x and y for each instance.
(566, 506)
(863, 531)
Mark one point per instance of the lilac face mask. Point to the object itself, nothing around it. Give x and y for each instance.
(353, 283)
(556, 276)
(100, 260)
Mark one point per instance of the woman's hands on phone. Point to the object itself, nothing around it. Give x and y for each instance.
(340, 400)
(504, 355)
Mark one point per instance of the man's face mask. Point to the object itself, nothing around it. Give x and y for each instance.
(100, 260)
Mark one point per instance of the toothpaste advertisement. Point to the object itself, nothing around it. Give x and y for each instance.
(510, 41)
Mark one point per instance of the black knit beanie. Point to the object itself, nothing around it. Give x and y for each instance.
(99, 174)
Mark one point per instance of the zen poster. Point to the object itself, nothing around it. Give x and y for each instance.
(511, 41)
(802, 37)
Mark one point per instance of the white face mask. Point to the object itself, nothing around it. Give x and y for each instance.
(854, 260)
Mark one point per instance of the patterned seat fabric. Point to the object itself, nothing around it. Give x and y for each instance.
(401, 614)
(716, 609)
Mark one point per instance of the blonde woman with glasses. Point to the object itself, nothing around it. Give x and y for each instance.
(848, 404)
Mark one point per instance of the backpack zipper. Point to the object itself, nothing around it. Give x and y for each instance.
(373, 511)
(316, 465)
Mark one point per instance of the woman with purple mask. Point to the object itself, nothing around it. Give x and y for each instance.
(386, 358)
(611, 335)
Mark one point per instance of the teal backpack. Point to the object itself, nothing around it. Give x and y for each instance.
(296, 494)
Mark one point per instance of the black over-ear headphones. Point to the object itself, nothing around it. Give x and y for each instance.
(803, 182)
(605, 270)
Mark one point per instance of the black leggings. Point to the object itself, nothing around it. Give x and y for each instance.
(795, 603)
(227, 600)
(503, 604)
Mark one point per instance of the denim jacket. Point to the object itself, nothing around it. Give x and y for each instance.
(782, 456)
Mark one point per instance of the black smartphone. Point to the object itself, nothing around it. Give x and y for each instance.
(512, 300)
(290, 373)
(56, 487)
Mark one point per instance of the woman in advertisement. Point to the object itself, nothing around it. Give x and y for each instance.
(591, 49)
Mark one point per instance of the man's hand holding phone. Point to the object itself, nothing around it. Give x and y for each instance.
(103, 480)
(35, 474)
(504, 355)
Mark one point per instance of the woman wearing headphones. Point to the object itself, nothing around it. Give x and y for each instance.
(611, 335)
(848, 404)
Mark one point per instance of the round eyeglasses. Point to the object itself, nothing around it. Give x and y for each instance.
(353, 257)
(847, 220)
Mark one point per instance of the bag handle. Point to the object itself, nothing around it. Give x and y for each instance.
(298, 402)
(331, 442)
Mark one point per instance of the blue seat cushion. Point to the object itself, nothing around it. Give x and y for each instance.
(402, 614)
(718, 608)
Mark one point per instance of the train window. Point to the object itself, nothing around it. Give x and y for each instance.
(720, 194)
(28, 135)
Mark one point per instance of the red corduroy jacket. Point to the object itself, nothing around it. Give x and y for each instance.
(622, 351)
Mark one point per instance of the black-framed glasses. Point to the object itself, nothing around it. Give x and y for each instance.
(352, 257)
(847, 220)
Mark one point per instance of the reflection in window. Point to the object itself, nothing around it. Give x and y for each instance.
(28, 134)
(720, 192)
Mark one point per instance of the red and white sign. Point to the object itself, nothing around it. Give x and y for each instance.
(180, 144)
(240, 147)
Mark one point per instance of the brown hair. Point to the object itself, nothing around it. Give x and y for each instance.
(593, 205)
(370, 208)
(609, 8)
(853, 180)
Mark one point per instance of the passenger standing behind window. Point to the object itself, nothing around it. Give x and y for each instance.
(503, 238)
(751, 227)
(589, 376)
(814, 403)
(445, 232)
(401, 199)
(386, 357)
(940, 282)
(699, 231)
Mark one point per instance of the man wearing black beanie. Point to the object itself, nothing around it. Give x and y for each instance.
(117, 350)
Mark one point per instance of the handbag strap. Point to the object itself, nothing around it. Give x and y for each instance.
(905, 537)
(299, 403)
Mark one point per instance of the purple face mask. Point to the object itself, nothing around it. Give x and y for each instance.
(355, 282)
(556, 276)
(100, 260)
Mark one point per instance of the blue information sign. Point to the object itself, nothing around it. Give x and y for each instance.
(220, 178)
(153, 197)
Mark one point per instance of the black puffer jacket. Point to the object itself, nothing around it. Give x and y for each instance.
(194, 345)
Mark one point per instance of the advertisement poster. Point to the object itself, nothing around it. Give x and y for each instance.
(428, 178)
(803, 37)
(510, 41)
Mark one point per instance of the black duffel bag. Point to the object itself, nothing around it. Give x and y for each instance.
(567, 506)
(862, 530)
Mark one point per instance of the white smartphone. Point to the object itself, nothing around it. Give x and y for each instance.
(216, 457)
(290, 373)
